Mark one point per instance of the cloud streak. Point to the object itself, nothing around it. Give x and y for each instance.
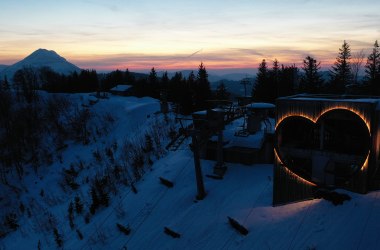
(169, 33)
(228, 58)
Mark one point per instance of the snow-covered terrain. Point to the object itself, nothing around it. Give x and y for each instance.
(244, 194)
(38, 59)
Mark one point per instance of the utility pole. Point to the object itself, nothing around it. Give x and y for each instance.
(245, 81)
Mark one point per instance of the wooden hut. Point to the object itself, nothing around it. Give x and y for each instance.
(325, 141)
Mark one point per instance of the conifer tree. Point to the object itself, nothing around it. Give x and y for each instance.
(5, 84)
(202, 88)
(129, 78)
(165, 80)
(191, 78)
(274, 82)
(311, 80)
(259, 90)
(186, 94)
(153, 84)
(176, 87)
(341, 74)
(152, 76)
(289, 80)
(372, 70)
(221, 92)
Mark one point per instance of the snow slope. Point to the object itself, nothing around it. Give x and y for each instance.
(244, 194)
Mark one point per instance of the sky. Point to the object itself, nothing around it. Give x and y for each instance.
(223, 34)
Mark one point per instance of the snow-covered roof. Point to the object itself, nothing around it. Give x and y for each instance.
(333, 98)
(369, 100)
(202, 112)
(261, 105)
(121, 88)
(253, 141)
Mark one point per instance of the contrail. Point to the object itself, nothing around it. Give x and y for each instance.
(196, 52)
(179, 59)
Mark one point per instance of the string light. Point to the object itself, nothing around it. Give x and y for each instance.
(288, 171)
(365, 164)
(315, 118)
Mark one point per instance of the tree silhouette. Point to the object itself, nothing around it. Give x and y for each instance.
(311, 80)
(356, 65)
(129, 78)
(222, 92)
(153, 88)
(372, 70)
(152, 78)
(5, 84)
(165, 81)
(261, 89)
(274, 82)
(202, 88)
(341, 74)
(25, 81)
(288, 80)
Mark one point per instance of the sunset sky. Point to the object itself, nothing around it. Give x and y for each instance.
(141, 34)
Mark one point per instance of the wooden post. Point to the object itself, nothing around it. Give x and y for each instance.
(220, 168)
(198, 171)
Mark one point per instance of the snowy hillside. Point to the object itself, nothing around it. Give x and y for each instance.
(117, 131)
(137, 214)
(41, 58)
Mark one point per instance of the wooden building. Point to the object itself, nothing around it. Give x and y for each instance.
(253, 146)
(325, 141)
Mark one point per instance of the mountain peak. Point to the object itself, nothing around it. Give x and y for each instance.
(42, 58)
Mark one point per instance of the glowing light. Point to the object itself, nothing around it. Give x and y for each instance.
(304, 115)
(356, 112)
(316, 117)
(288, 171)
(365, 164)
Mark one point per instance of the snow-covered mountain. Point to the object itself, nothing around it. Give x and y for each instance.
(41, 58)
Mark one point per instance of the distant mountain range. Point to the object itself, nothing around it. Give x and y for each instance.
(232, 81)
(211, 77)
(2, 67)
(40, 58)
